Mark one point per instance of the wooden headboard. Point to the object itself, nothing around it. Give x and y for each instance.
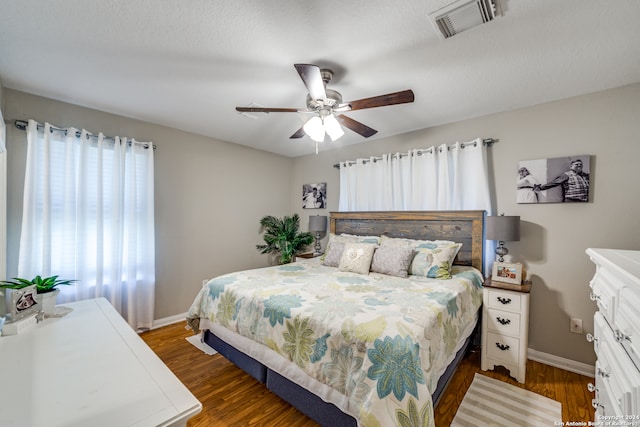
(466, 227)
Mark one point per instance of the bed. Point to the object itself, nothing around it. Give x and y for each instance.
(347, 347)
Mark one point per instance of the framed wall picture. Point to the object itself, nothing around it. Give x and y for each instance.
(314, 196)
(554, 180)
(507, 272)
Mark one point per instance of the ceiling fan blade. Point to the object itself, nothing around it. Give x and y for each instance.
(402, 97)
(270, 110)
(299, 134)
(312, 78)
(356, 126)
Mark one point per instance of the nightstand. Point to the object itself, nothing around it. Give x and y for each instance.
(505, 327)
(308, 255)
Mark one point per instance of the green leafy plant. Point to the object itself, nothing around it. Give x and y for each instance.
(282, 236)
(43, 285)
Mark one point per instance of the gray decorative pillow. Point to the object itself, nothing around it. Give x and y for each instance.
(333, 254)
(356, 257)
(394, 261)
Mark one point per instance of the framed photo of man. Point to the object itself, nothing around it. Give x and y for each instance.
(554, 180)
(314, 196)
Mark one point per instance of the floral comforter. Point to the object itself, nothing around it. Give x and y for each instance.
(381, 341)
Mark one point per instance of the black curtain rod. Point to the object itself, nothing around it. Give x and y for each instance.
(22, 125)
(487, 141)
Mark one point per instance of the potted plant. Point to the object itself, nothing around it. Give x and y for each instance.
(46, 289)
(282, 236)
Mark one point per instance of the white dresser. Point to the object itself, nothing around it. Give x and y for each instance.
(505, 327)
(615, 288)
(88, 368)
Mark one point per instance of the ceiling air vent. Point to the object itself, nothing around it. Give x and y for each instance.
(462, 15)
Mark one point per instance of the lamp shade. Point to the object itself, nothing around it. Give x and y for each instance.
(503, 228)
(332, 127)
(318, 223)
(314, 128)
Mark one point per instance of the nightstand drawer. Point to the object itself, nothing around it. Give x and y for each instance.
(503, 322)
(504, 300)
(503, 348)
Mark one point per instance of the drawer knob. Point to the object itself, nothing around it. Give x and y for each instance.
(620, 336)
(503, 321)
(591, 338)
(591, 387)
(596, 404)
(594, 297)
(504, 300)
(603, 373)
(503, 347)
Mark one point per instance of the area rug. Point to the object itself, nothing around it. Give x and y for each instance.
(195, 340)
(490, 402)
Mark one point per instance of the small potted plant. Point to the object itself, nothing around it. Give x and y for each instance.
(46, 289)
(282, 236)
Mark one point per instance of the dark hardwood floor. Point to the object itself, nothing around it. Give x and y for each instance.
(232, 398)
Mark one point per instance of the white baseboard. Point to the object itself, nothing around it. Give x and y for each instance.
(562, 363)
(158, 323)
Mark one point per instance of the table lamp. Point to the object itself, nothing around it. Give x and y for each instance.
(317, 224)
(503, 229)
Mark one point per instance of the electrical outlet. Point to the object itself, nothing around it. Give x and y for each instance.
(576, 326)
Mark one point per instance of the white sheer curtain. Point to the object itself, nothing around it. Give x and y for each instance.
(453, 177)
(3, 134)
(88, 215)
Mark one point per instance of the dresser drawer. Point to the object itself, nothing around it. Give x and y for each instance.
(503, 348)
(504, 300)
(603, 403)
(503, 322)
(627, 321)
(604, 291)
(617, 377)
(600, 326)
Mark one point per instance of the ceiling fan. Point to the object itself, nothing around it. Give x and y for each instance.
(327, 107)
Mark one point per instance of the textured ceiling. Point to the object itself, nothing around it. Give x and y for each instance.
(188, 63)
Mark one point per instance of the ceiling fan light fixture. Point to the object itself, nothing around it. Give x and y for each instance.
(332, 127)
(323, 104)
(314, 128)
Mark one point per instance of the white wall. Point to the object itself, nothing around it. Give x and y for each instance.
(554, 237)
(210, 196)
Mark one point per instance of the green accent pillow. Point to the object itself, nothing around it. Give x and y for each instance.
(434, 261)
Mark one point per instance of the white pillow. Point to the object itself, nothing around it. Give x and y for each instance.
(412, 243)
(356, 257)
(361, 239)
(348, 238)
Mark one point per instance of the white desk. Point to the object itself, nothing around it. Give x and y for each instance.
(88, 368)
